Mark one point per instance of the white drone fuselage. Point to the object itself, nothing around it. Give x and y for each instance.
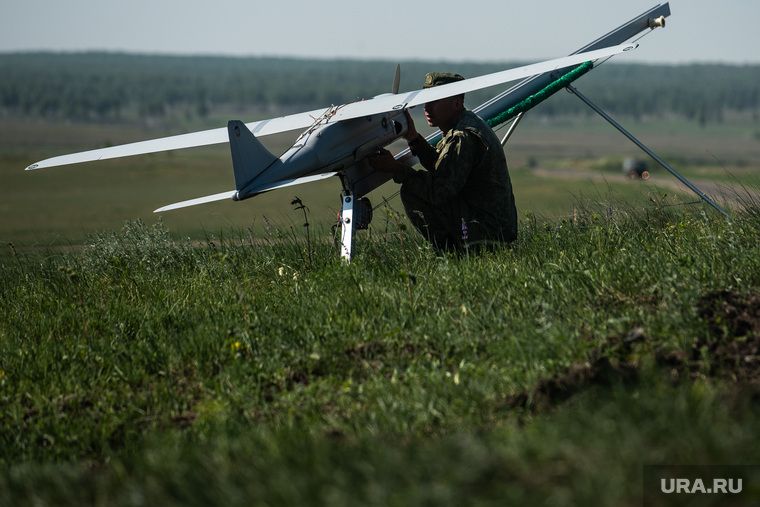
(325, 149)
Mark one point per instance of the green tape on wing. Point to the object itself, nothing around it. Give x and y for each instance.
(541, 95)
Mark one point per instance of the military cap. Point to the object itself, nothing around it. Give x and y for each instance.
(440, 78)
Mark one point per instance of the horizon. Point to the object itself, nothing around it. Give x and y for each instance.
(398, 32)
(332, 59)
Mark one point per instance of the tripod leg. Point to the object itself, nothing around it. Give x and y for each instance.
(649, 152)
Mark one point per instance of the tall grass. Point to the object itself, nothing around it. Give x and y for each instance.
(146, 369)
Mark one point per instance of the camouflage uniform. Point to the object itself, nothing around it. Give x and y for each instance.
(464, 195)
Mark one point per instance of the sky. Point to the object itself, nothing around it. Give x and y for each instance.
(697, 30)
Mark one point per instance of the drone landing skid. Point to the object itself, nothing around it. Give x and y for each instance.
(346, 224)
(355, 214)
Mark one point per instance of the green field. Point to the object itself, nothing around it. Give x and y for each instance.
(249, 366)
(63, 205)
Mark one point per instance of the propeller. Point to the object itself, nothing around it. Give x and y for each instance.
(396, 79)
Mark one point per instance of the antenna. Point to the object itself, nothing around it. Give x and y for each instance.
(396, 79)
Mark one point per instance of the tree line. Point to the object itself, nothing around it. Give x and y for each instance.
(118, 86)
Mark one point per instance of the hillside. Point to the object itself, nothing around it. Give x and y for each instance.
(108, 86)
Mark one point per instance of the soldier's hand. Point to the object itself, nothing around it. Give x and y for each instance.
(383, 161)
(411, 130)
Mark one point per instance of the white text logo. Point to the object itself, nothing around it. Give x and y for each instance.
(698, 486)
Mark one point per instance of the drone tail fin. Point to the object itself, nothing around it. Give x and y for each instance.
(249, 157)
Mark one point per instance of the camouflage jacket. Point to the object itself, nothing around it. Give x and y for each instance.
(466, 174)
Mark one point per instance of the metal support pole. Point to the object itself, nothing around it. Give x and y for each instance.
(346, 224)
(512, 128)
(649, 152)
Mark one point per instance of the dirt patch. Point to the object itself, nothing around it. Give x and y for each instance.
(729, 351)
(609, 364)
(730, 314)
(732, 348)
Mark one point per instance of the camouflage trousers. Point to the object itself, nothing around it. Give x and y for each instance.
(447, 228)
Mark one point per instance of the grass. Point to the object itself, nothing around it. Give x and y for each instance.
(214, 357)
(143, 369)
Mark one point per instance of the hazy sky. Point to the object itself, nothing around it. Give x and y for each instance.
(698, 30)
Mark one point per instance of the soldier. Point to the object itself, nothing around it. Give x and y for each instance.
(463, 197)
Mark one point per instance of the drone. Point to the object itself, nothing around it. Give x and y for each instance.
(337, 140)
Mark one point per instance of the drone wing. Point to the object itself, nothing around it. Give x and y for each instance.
(230, 194)
(380, 104)
(203, 138)
(390, 102)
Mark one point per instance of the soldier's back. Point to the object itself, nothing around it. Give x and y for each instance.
(488, 192)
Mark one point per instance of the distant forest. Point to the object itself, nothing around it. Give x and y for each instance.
(116, 86)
